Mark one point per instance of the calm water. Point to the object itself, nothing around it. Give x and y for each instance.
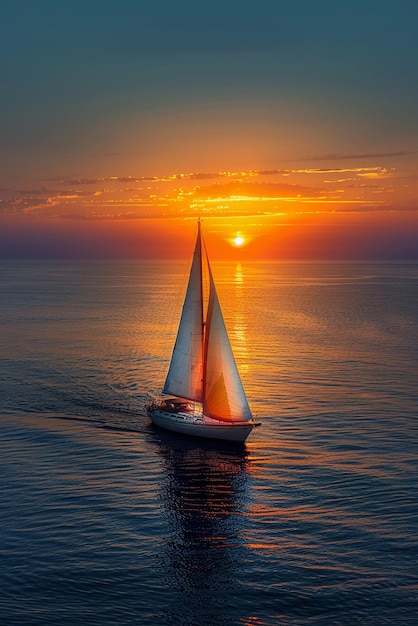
(107, 520)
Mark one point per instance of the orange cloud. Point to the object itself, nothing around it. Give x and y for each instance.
(227, 193)
(254, 189)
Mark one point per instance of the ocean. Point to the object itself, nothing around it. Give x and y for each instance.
(107, 520)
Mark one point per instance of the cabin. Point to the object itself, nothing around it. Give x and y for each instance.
(176, 405)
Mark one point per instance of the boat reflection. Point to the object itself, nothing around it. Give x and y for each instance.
(204, 496)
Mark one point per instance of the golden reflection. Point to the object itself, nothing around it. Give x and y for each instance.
(253, 620)
(239, 276)
(240, 327)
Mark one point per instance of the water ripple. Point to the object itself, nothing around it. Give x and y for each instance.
(107, 520)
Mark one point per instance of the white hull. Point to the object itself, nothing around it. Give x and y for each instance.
(200, 426)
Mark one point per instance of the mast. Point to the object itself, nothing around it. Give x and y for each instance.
(202, 312)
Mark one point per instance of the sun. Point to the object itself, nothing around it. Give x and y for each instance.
(238, 241)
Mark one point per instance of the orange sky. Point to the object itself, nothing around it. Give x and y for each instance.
(360, 209)
(120, 127)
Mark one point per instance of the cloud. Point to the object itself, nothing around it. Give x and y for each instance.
(102, 216)
(366, 155)
(271, 172)
(185, 194)
(76, 194)
(80, 181)
(256, 189)
(368, 207)
(202, 176)
(27, 206)
(34, 192)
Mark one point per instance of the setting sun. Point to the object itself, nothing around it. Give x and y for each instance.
(238, 241)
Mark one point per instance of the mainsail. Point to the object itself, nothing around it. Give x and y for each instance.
(203, 367)
(185, 375)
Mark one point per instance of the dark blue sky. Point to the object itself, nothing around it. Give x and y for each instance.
(72, 67)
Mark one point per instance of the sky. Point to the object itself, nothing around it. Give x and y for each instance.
(293, 125)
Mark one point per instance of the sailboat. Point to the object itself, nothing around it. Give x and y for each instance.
(203, 392)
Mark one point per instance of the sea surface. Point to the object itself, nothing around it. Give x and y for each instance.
(107, 520)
